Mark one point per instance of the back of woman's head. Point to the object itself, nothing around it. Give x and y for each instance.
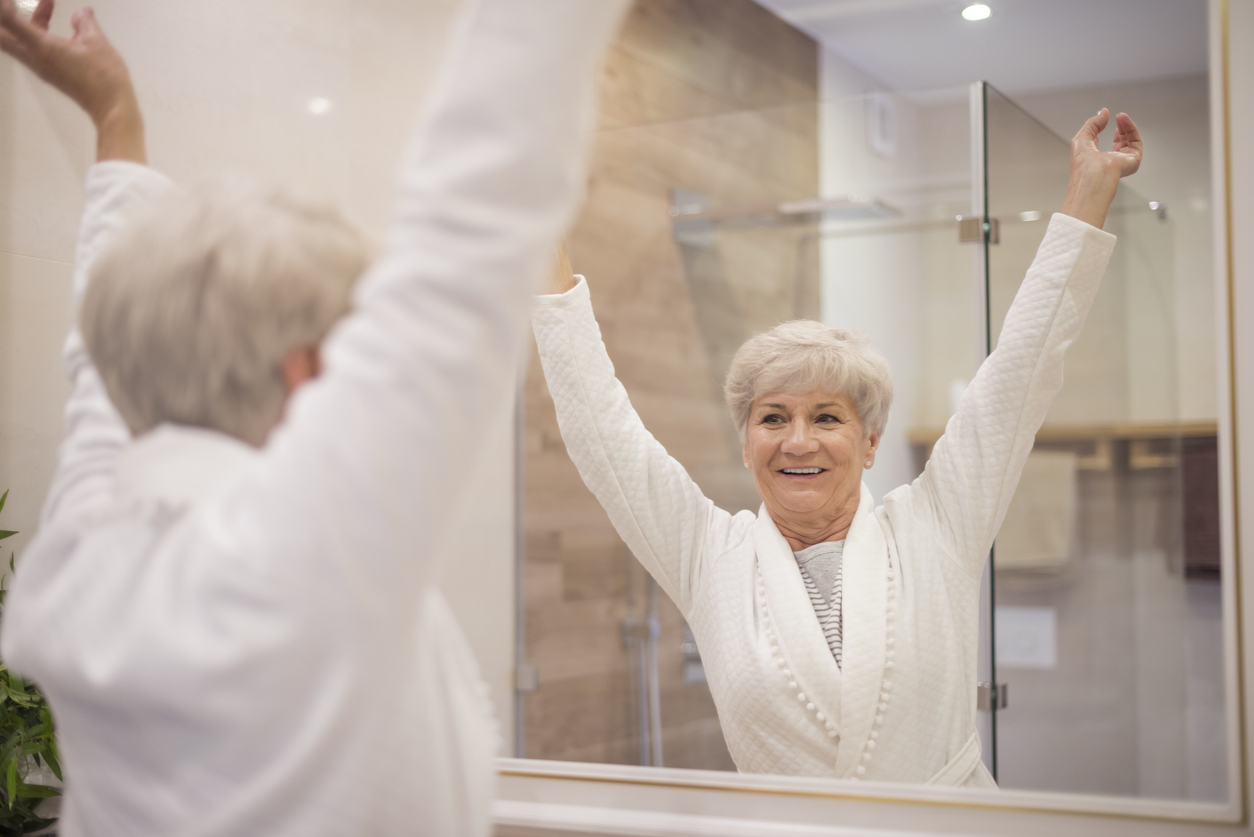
(190, 312)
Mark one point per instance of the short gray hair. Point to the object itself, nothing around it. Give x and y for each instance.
(804, 355)
(190, 312)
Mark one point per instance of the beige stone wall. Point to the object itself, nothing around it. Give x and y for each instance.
(671, 316)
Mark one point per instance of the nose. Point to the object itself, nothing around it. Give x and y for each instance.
(800, 439)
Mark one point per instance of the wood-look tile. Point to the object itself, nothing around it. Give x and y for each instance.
(674, 92)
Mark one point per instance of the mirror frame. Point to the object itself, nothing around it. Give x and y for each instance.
(588, 798)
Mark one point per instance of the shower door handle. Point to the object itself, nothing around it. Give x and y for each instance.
(992, 695)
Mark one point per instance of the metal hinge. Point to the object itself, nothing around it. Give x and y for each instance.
(989, 694)
(974, 230)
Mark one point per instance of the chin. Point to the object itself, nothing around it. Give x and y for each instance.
(803, 503)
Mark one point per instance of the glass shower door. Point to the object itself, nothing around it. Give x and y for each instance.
(1105, 571)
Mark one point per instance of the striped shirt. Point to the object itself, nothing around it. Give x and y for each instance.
(820, 570)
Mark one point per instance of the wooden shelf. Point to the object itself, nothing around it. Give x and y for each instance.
(1093, 432)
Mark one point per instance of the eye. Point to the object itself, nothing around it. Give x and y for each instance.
(827, 418)
(772, 418)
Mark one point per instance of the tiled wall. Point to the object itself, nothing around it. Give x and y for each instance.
(670, 316)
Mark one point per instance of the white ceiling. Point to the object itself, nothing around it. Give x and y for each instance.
(1024, 45)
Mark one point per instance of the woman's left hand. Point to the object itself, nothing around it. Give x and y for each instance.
(1095, 174)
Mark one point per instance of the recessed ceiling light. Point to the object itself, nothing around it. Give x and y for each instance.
(976, 11)
(319, 106)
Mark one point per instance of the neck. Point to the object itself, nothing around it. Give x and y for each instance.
(803, 530)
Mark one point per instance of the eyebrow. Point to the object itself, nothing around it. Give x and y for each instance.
(816, 406)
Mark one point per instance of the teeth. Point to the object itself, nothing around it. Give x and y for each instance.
(803, 470)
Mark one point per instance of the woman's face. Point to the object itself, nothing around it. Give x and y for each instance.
(807, 453)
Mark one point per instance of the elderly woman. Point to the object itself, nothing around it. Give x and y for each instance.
(840, 638)
(231, 601)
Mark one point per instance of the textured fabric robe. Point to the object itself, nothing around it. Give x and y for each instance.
(904, 706)
(248, 642)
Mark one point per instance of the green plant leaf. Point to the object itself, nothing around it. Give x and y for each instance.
(36, 791)
(3, 497)
(54, 761)
(6, 533)
(24, 700)
(10, 779)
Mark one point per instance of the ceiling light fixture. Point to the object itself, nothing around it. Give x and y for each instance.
(976, 11)
(319, 106)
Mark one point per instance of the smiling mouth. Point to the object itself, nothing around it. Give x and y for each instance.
(802, 472)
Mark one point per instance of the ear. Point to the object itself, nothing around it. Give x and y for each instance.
(300, 365)
(744, 453)
(874, 439)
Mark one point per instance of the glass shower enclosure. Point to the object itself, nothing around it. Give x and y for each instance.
(911, 216)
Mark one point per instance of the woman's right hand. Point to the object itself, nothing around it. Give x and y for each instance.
(86, 68)
(1095, 174)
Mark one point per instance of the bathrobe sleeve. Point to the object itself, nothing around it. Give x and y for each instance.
(94, 432)
(652, 502)
(975, 466)
(357, 491)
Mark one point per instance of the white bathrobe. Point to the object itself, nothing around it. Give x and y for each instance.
(903, 707)
(248, 642)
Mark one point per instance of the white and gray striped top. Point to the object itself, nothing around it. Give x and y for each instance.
(820, 569)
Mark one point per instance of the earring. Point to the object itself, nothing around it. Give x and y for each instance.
(746, 464)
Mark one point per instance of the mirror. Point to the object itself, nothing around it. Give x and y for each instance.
(913, 215)
(758, 162)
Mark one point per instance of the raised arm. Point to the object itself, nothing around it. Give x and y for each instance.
(360, 484)
(652, 502)
(88, 70)
(975, 466)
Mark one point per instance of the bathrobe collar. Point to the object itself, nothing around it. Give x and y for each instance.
(178, 465)
(790, 614)
(865, 615)
(850, 697)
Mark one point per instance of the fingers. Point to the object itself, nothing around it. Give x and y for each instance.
(1090, 130)
(85, 23)
(17, 26)
(9, 45)
(1128, 144)
(42, 15)
(1127, 133)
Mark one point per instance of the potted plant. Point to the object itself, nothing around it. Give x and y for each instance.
(27, 743)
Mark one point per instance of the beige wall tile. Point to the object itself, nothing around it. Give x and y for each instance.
(45, 147)
(35, 316)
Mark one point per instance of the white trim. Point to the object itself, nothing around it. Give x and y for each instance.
(1224, 346)
(616, 822)
(631, 779)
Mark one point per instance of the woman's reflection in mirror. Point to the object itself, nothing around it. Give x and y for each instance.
(839, 638)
